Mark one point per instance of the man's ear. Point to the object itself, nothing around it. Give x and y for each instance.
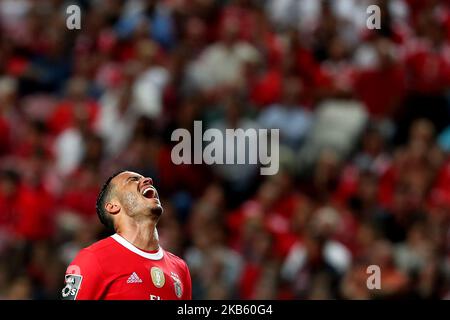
(112, 207)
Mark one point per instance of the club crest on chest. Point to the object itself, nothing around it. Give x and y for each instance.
(158, 278)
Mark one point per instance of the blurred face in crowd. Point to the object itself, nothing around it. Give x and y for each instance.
(382, 254)
(337, 49)
(233, 111)
(385, 52)
(368, 188)
(373, 142)
(292, 88)
(134, 196)
(8, 184)
(422, 131)
(195, 30)
(230, 32)
(8, 92)
(77, 89)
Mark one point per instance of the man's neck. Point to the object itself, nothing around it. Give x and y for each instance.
(142, 235)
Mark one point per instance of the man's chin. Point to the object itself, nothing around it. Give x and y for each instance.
(156, 210)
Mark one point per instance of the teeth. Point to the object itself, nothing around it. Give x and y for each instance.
(146, 190)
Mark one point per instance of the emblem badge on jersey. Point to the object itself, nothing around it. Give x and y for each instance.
(157, 277)
(73, 282)
(177, 284)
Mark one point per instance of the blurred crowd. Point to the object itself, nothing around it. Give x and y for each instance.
(364, 119)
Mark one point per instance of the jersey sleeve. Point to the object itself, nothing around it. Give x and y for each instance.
(188, 284)
(84, 279)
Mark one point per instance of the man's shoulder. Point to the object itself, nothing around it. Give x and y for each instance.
(174, 258)
(90, 258)
(99, 248)
(97, 255)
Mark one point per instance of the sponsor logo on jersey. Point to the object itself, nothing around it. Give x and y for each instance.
(134, 278)
(73, 282)
(177, 284)
(157, 277)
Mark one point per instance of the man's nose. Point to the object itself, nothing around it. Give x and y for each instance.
(148, 181)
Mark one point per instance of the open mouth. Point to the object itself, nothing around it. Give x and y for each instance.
(149, 193)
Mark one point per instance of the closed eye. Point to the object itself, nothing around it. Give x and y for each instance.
(134, 178)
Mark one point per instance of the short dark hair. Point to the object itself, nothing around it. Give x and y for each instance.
(102, 198)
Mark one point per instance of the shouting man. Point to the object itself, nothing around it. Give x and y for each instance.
(129, 264)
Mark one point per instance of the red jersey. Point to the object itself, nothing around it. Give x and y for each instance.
(114, 269)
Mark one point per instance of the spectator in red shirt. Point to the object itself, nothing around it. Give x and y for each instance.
(76, 105)
(27, 211)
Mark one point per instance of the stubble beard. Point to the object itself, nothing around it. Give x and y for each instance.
(136, 208)
(157, 210)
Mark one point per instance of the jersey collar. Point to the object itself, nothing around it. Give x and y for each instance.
(152, 256)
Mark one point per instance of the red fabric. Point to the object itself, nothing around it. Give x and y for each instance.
(241, 17)
(387, 185)
(236, 220)
(346, 232)
(416, 7)
(107, 265)
(447, 24)
(81, 194)
(311, 74)
(340, 77)
(440, 195)
(277, 221)
(429, 72)
(29, 213)
(283, 244)
(81, 201)
(7, 212)
(180, 177)
(287, 204)
(4, 136)
(267, 89)
(35, 215)
(381, 90)
(274, 50)
(348, 185)
(249, 279)
(64, 115)
(17, 66)
(125, 52)
(27, 147)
